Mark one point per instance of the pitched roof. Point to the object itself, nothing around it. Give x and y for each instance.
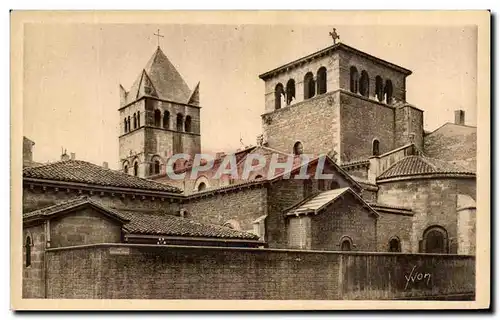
(420, 165)
(320, 201)
(69, 205)
(146, 223)
(85, 172)
(160, 79)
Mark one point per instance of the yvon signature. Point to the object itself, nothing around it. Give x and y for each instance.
(415, 276)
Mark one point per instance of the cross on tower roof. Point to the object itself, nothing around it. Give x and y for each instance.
(158, 35)
(334, 35)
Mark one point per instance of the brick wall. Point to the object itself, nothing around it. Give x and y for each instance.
(85, 226)
(243, 205)
(34, 275)
(394, 225)
(36, 198)
(154, 272)
(299, 232)
(344, 218)
(409, 120)
(433, 201)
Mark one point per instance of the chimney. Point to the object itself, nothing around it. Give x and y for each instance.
(105, 165)
(460, 117)
(64, 156)
(73, 156)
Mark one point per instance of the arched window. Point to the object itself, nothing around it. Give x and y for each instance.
(346, 244)
(321, 80)
(125, 125)
(309, 86)
(334, 185)
(379, 88)
(125, 166)
(202, 186)
(395, 245)
(28, 245)
(279, 95)
(128, 123)
(187, 124)
(290, 91)
(135, 121)
(156, 165)
(298, 148)
(307, 191)
(166, 120)
(157, 118)
(354, 76)
(388, 91)
(138, 119)
(180, 122)
(435, 240)
(375, 148)
(136, 168)
(364, 84)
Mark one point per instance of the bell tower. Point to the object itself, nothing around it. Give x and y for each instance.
(159, 117)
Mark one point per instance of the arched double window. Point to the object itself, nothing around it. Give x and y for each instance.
(376, 148)
(27, 248)
(309, 86)
(379, 88)
(388, 91)
(166, 120)
(290, 91)
(354, 78)
(321, 80)
(395, 245)
(155, 167)
(279, 95)
(187, 124)
(157, 118)
(180, 122)
(364, 84)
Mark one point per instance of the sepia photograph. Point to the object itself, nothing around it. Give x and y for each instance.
(250, 156)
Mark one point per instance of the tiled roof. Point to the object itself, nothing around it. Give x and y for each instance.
(148, 223)
(70, 204)
(163, 224)
(164, 80)
(419, 165)
(85, 172)
(323, 199)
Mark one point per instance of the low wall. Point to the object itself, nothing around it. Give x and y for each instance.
(123, 271)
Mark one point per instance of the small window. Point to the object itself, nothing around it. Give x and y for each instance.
(138, 119)
(298, 148)
(346, 245)
(128, 123)
(135, 121)
(309, 86)
(375, 147)
(28, 245)
(125, 168)
(364, 84)
(394, 245)
(125, 125)
(166, 120)
(187, 124)
(290, 91)
(379, 88)
(156, 166)
(388, 92)
(180, 122)
(136, 169)
(279, 96)
(321, 80)
(202, 186)
(157, 118)
(354, 80)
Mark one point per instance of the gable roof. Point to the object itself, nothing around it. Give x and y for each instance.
(85, 172)
(322, 200)
(419, 165)
(162, 78)
(69, 205)
(144, 223)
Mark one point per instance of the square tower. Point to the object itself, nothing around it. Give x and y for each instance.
(339, 101)
(159, 117)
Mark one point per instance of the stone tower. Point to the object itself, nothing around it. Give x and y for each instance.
(339, 101)
(159, 117)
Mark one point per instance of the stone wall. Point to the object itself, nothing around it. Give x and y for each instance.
(166, 272)
(392, 225)
(34, 275)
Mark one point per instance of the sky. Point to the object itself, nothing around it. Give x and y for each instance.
(71, 74)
